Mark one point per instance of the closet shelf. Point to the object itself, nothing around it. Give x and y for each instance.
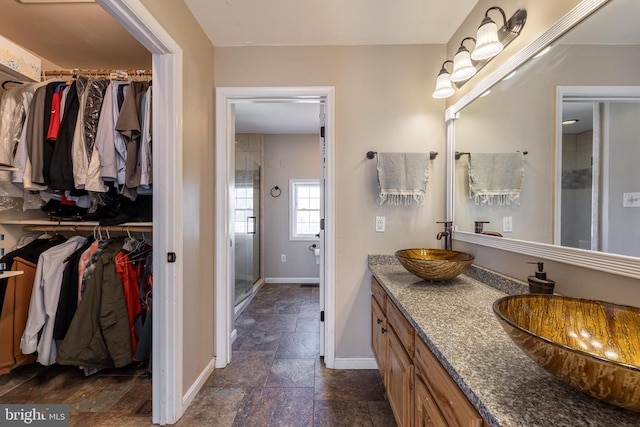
(46, 225)
(7, 274)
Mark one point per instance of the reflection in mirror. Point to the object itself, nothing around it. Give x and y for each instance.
(519, 114)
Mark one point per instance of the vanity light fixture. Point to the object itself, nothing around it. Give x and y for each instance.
(463, 68)
(444, 88)
(488, 45)
(490, 41)
(487, 92)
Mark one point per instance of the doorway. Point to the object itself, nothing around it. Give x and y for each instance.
(227, 98)
(596, 198)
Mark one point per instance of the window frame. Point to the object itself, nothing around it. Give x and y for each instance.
(293, 195)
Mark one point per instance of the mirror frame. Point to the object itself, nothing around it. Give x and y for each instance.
(602, 261)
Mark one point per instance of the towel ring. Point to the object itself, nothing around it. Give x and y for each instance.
(275, 191)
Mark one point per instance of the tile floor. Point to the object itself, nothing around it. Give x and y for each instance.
(276, 378)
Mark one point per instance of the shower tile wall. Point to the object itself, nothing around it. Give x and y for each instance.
(576, 189)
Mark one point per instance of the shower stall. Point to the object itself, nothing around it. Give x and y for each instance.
(246, 223)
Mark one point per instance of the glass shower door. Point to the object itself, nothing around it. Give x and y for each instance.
(247, 236)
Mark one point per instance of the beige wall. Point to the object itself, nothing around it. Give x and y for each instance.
(198, 139)
(383, 103)
(287, 157)
(541, 14)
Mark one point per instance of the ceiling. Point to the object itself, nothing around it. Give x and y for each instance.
(72, 35)
(278, 117)
(329, 22)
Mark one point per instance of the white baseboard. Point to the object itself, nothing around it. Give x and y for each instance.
(197, 385)
(292, 280)
(355, 363)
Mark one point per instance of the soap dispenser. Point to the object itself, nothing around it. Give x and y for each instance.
(539, 284)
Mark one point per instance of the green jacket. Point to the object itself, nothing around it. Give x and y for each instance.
(98, 336)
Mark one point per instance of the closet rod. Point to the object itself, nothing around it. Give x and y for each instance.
(110, 228)
(99, 72)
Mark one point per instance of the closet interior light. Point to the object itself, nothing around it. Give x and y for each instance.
(463, 68)
(490, 41)
(444, 88)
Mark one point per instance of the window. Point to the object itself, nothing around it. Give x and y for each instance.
(244, 210)
(304, 220)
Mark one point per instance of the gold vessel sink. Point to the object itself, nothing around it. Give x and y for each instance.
(593, 346)
(434, 264)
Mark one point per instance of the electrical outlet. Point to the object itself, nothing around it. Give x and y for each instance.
(631, 200)
(283, 258)
(507, 224)
(380, 224)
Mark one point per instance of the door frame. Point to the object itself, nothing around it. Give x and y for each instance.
(225, 98)
(167, 355)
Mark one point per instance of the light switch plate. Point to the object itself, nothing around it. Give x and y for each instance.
(631, 200)
(380, 224)
(507, 224)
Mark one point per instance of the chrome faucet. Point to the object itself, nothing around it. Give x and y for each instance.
(447, 234)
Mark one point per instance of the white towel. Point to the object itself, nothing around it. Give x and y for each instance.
(402, 177)
(496, 177)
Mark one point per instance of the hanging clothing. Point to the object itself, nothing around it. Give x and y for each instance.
(68, 302)
(30, 252)
(129, 273)
(98, 336)
(13, 317)
(128, 125)
(61, 164)
(38, 333)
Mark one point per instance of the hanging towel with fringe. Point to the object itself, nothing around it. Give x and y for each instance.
(496, 178)
(402, 177)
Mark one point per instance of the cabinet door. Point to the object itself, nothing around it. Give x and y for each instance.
(399, 380)
(427, 413)
(378, 337)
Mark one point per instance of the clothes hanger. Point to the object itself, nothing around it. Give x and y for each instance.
(4, 83)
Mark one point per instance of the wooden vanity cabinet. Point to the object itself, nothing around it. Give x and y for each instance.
(399, 383)
(379, 337)
(419, 389)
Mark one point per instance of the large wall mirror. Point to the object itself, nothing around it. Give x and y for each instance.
(580, 202)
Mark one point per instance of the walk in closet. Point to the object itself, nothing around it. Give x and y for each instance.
(76, 188)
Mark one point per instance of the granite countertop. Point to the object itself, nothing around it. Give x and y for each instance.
(456, 321)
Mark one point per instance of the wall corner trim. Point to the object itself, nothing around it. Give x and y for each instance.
(198, 384)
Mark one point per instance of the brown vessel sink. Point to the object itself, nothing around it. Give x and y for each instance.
(434, 264)
(593, 346)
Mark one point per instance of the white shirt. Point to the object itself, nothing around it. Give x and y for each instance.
(44, 301)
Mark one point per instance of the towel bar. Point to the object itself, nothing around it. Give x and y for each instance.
(460, 154)
(372, 154)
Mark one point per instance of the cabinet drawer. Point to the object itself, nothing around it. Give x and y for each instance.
(453, 404)
(401, 326)
(378, 293)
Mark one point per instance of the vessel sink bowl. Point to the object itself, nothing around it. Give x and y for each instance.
(434, 264)
(593, 346)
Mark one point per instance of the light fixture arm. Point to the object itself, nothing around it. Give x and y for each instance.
(443, 70)
(462, 46)
(487, 19)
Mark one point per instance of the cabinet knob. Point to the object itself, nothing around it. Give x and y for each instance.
(384, 330)
(379, 321)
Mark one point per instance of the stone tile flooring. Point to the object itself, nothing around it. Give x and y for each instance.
(275, 378)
